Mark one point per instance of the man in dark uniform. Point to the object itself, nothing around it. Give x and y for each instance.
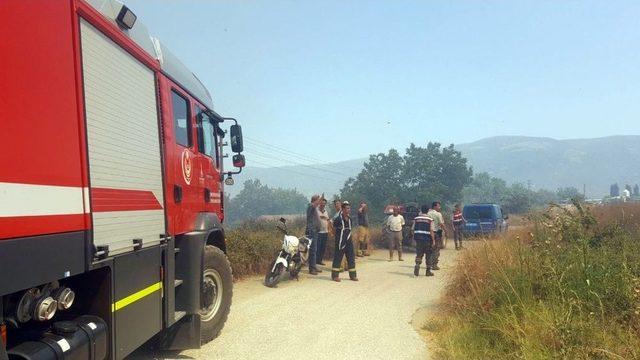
(344, 244)
(425, 237)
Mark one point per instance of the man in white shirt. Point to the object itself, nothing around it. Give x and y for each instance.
(394, 224)
(323, 233)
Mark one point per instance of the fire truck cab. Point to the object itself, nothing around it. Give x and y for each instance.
(111, 187)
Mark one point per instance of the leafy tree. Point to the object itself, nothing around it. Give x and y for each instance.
(485, 188)
(614, 191)
(257, 199)
(516, 198)
(569, 193)
(422, 175)
(636, 190)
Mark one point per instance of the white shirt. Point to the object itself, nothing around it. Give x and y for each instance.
(324, 221)
(437, 222)
(395, 223)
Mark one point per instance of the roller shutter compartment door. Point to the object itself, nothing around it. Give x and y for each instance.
(123, 140)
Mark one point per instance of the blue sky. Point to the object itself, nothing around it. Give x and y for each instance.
(337, 80)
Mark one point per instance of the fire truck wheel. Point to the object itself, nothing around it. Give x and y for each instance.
(217, 291)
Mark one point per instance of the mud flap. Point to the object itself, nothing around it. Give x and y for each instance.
(185, 334)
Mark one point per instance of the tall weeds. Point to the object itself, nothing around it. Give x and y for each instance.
(567, 287)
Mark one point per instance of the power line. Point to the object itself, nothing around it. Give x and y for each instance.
(298, 173)
(270, 156)
(284, 150)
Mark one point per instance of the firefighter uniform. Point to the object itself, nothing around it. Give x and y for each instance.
(422, 236)
(343, 247)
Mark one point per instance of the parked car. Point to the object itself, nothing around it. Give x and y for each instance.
(484, 219)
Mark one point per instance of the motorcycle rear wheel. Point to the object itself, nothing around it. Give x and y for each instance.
(273, 277)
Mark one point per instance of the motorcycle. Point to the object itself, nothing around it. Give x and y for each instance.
(293, 254)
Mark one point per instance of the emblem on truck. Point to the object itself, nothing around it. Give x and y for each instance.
(186, 166)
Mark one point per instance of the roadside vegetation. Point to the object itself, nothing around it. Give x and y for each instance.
(253, 245)
(567, 286)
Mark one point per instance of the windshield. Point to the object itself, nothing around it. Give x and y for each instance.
(478, 212)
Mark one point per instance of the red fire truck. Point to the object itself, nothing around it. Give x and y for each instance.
(111, 187)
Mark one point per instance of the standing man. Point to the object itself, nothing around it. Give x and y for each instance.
(363, 230)
(425, 239)
(437, 224)
(323, 233)
(344, 244)
(394, 224)
(458, 220)
(337, 206)
(313, 226)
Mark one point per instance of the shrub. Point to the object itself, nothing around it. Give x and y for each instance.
(567, 287)
(253, 245)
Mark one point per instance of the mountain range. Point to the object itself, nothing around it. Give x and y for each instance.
(541, 163)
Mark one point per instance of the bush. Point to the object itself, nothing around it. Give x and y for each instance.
(566, 287)
(253, 245)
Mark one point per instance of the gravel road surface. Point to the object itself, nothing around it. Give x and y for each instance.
(315, 317)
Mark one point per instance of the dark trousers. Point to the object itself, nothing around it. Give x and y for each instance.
(435, 254)
(424, 248)
(337, 259)
(458, 235)
(313, 249)
(322, 245)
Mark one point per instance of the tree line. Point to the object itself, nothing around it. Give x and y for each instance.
(420, 175)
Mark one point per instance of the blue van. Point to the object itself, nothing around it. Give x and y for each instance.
(484, 219)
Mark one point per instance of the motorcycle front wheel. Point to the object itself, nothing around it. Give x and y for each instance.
(273, 277)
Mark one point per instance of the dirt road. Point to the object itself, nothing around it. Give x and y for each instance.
(318, 318)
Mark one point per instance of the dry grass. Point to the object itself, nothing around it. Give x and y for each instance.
(567, 286)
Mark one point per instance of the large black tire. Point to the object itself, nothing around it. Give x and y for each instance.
(217, 292)
(273, 278)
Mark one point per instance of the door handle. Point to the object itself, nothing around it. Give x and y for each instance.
(177, 193)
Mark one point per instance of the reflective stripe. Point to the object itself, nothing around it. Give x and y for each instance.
(136, 296)
(421, 232)
(40, 200)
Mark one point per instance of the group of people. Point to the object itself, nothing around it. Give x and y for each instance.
(428, 230)
(320, 224)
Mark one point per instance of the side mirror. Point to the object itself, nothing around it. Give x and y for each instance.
(229, 181)
(236, 139)
(238, 160)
